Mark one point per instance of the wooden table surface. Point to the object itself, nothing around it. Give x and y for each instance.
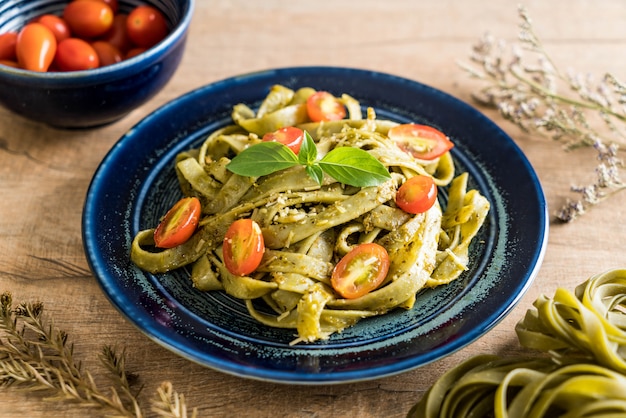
(45, 172)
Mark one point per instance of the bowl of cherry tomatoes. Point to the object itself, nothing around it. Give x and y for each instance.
(87, 63)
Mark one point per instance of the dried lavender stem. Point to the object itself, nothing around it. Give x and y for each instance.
(532, 102)
(541, 90)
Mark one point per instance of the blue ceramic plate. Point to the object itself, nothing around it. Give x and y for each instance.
(135, 184)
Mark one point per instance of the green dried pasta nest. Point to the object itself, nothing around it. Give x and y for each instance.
(581, 372)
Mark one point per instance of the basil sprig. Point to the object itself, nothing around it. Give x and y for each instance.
(351, 166)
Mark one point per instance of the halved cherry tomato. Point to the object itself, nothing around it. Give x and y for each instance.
(107, 53)
(243, 247)
(178, 224)
(421, 141)
(8, 44)
(88, 18)
(417, 194)
(36, 46)
(146, 26)
(74, 54)
(360, 271)
(323, 106)
(290, 136)
(58, 26)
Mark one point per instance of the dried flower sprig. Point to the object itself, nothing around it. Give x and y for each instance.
(607, 182)
(36, 356)
(569, 107)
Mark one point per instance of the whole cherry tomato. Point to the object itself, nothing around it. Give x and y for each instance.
(36, 47)
(10, 63)
(74, 54)
(107, 53)
(243, 247)
(178, 224)
(417, 194)
(360, 271)
(8, 44)
(57, 25)
(146, 26)
(421, 141)
(134, 52)
(289, 136)
(88, 18)
(113, 4)
(323, 106)
(117, 34)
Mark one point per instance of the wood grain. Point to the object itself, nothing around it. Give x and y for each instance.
(45, 173)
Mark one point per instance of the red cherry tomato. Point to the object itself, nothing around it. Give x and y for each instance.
(323, 106)
(74, 54)
(57, 25)
(417, 194)
(178, 224)
(113, 4)
(36, 46)
(290, 136)
(146, 26)
(88, 18)
(107, 53)
(8, 44)
(134, 52)
(117, 34)
(10, 63)
(243, 247)
(360, 271)
(421, 141)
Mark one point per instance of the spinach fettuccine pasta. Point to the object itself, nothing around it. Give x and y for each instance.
(318, 211)
(582, 373)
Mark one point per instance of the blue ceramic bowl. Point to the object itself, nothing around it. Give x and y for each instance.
(81, 99)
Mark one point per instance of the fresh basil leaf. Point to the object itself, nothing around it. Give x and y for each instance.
(262, 159)
(351, 166)
(354, 167)
(315, 172)
(308, 150)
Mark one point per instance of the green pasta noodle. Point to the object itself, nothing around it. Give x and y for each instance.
(489, 386)
(307, 226)
(583, 374)
(589, 323)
